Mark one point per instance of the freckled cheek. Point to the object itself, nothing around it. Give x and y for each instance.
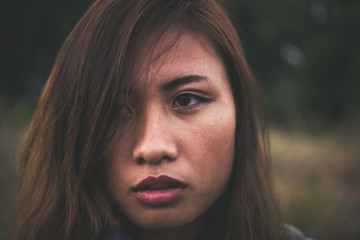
(211, 149)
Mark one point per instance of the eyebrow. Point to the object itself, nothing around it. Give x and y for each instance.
(178, 81)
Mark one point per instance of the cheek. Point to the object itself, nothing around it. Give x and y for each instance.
(210, 150)
(218, 152)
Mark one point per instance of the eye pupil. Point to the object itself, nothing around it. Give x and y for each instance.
(184, 100)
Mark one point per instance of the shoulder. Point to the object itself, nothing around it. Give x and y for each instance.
(292, 233)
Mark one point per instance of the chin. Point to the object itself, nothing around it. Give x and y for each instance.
(163, 221)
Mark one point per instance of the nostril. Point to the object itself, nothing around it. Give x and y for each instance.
(153, 161)
(168, 158)
(140, 161)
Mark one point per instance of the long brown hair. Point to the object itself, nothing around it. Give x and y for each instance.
(63, 185)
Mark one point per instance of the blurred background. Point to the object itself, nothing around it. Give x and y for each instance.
(306, 57)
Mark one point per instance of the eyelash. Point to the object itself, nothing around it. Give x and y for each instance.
(190, 98)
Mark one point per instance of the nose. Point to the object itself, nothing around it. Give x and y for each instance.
(155, 142)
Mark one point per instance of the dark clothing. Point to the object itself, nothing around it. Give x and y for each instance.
(290, 233)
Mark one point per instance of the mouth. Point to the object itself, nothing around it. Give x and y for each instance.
(158, 183)
(159, 191)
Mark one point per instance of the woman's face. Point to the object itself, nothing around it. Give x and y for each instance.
(175, 158)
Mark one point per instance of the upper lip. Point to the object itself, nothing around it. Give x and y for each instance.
(155, 183)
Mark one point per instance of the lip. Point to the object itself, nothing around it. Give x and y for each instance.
(159, 191)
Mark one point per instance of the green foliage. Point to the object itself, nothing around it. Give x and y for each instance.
(305, 55)
(30, 37)
(304, 52)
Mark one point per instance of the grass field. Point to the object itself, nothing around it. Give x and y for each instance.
(317, 179)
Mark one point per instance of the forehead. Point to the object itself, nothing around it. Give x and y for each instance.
(174, 54)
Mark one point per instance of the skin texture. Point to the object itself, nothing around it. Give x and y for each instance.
(181, 129)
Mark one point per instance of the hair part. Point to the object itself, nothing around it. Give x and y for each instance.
(63, 187)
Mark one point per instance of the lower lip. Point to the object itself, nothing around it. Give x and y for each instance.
(160, 198)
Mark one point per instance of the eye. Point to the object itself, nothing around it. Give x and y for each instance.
(125, 110)
(188, 100)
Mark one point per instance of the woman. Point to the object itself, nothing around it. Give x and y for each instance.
(148, 129)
